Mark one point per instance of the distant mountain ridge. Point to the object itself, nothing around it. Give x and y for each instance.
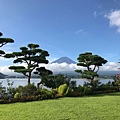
(64, 59)
(2, 76)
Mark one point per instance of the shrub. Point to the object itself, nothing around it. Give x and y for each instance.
(87, 90)
(75, 94)
(44, 94)
(17, 95)
(54, 92)
(2, 89)
(79, 89)
(28, 98)
(10, 89)
(105, 87)
(63, 89)
(73, 85)
(29, 89)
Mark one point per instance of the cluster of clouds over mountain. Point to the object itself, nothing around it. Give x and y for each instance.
(111, 66)
(55, 67)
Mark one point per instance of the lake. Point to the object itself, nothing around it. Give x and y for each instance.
(23, 82)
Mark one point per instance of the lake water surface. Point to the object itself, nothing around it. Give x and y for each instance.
(23, 82)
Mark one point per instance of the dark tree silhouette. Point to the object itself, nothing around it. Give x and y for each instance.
(91, 63)
(4, 41)
(31, 56)
(44, 75)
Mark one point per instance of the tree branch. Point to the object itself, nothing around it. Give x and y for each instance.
(25, 74)
(94, 68)
(3, 44)
(87, 64)
(98, 69)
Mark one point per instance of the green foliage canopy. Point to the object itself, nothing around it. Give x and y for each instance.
(31, 56)
(91, 63)
(4, 41)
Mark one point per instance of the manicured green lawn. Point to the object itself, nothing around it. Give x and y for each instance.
(101, 107)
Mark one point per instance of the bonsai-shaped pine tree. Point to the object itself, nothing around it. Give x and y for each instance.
(91, 63)
(4, 41)
(44, 75)
(31, 56)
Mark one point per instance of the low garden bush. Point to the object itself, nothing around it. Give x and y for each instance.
(44, 94)
(17, 95)
(79, 89)
(87, 91)
(75, 94)
(29, 89)
(63, 89)
(32, 93)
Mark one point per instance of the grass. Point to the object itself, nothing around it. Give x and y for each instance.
(100, 107)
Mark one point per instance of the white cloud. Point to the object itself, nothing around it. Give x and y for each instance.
(8, 48)
(55, 67)
(95, 13)
(114, 17)
(111, 66)
(79, 31)
(98, 13)
(100, 6)
(2, 58)
(5, 70)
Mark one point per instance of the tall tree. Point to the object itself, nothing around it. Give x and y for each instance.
(44, 75)
(4, 41)
(91, 63)
(31, 56)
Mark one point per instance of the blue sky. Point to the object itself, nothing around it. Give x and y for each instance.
(63, 27)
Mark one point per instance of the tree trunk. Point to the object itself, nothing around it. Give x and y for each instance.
(90, 80)
(29, 76)
(39, 84)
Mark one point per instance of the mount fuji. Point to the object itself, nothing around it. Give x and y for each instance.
(64, 59)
